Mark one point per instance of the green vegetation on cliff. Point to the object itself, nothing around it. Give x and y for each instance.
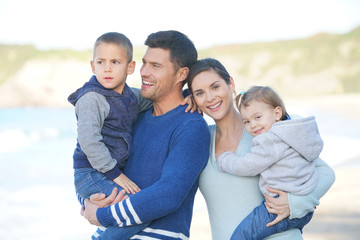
(14, 57)
(325, 55)
(324, 63)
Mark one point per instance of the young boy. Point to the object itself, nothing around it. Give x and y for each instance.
(283, 153)
(106, 109)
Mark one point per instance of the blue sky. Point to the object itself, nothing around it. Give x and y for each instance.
(77, 23)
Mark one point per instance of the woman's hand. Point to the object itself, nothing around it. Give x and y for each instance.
(279, 206)
(192, 106)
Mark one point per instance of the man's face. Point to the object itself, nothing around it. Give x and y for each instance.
(157, 74)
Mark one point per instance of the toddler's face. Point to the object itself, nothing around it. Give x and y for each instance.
(111, 67)
(258, 117)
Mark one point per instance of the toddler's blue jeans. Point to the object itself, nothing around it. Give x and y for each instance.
(253, 227)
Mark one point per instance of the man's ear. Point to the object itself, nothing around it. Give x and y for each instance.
(131, 67)
(182, 74)
(278, 113)
(92, 66)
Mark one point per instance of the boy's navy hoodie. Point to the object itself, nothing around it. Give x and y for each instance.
(114, 115)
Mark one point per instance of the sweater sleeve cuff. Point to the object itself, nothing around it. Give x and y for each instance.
(301, 205)
(104, 217)
(113, 173)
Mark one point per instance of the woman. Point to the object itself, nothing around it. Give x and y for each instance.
(230, 198)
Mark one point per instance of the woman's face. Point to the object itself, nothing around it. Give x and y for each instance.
(212, 94)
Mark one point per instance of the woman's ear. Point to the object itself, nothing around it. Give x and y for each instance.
(232, 84)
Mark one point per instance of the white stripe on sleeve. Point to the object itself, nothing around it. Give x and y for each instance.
(123, 213)
(132, 211)
(114, 214)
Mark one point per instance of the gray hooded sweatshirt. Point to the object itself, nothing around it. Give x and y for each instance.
(284, 157)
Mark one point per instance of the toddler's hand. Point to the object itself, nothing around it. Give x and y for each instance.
(128, 185)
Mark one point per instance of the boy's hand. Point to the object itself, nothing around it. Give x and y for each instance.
(128, 185)
(192, 106)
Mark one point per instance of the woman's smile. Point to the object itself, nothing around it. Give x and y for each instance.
(215, 107)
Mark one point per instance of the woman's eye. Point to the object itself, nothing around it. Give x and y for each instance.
(198, 94)
(246, 123)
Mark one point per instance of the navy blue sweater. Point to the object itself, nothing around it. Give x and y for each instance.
(168, 154)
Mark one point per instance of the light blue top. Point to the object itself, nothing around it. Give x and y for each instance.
(231, 198)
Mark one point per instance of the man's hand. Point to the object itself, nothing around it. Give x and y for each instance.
(279, 206)
(128, 185)
(90, 212)
(100, 200)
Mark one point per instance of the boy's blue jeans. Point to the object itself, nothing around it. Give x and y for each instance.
(88, 181)
(254, 225)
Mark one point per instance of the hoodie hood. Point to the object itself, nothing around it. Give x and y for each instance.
(302, 135)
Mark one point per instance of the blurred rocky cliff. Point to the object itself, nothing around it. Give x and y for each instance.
(319, 65)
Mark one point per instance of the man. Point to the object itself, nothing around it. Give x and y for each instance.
(170, 148)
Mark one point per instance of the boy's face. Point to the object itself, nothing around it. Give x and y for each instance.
(258, 117)
(111, 67)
